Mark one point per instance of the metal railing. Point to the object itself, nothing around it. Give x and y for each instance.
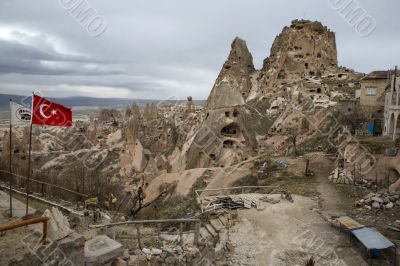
(21, 223)
(158, 224)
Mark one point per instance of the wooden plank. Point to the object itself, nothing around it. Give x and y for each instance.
(349, 223)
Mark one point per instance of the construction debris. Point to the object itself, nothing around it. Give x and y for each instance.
(395, 226)
(101, 250)
(241, 201)
(341, 176)
(269, 200)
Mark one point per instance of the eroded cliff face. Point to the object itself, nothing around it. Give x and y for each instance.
(233, 83)
(302, 68)
(224, 138)
(304, 49)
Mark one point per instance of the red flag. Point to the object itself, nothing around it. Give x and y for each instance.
(48, 113)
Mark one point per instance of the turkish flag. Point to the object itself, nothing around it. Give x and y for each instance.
(45, 112)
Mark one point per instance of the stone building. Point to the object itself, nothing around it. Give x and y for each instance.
(372, 95)
(373, 87)
(392, 109)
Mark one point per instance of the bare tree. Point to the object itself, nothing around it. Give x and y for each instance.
(293, 134)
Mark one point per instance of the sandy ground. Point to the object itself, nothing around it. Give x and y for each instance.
(227, 177)
(184, 180)
(15, 242)
(289, 234)
(219, 178)
(19, 208)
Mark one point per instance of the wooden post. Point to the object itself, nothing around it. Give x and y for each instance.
(29, 165)
(307, 164)
(138, 236)
(44, 230)
(10, 166)
(196, 233)
(181, 234)
(159, 231)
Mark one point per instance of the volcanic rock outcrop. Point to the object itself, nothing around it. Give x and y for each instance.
(233, 83)
(225, 137)
(303, 49)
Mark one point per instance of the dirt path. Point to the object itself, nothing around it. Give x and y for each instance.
(287, 234)
(330, 199)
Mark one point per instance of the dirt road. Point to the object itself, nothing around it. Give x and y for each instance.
(330, 199)
(289, 234)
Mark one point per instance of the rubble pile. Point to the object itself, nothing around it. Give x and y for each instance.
(341, 176)
(242, 201)
(380, 201)
(172, 255)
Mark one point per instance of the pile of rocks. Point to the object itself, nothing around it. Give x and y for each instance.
(167, 255)
(341, 176)
(380, 201)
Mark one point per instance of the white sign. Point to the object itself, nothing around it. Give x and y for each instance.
(20, 115)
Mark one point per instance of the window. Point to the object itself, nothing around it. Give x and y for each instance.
(372, 91)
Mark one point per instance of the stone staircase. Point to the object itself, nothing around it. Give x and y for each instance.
(215, 234)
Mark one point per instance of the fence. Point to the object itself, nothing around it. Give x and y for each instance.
(158, 224)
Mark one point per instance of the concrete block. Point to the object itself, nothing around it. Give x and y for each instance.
(101, 250)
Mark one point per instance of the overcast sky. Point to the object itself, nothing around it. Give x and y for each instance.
(166, 48)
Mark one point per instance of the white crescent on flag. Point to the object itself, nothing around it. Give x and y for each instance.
(41, 111)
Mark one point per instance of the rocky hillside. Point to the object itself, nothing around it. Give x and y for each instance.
(249, 112)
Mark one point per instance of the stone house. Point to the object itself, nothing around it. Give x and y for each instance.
(373, 86)
(372, 92)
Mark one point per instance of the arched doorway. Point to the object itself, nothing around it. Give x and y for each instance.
(391, 124)
(377, 126)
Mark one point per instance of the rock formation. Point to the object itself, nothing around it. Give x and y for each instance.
(225, 138)
(304, 49)
(234, 81)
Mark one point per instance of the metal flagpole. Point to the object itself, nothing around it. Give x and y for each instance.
(10, 168)
(29, 159)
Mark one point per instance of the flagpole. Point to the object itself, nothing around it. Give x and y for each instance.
(10, 166)
(29, 159)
